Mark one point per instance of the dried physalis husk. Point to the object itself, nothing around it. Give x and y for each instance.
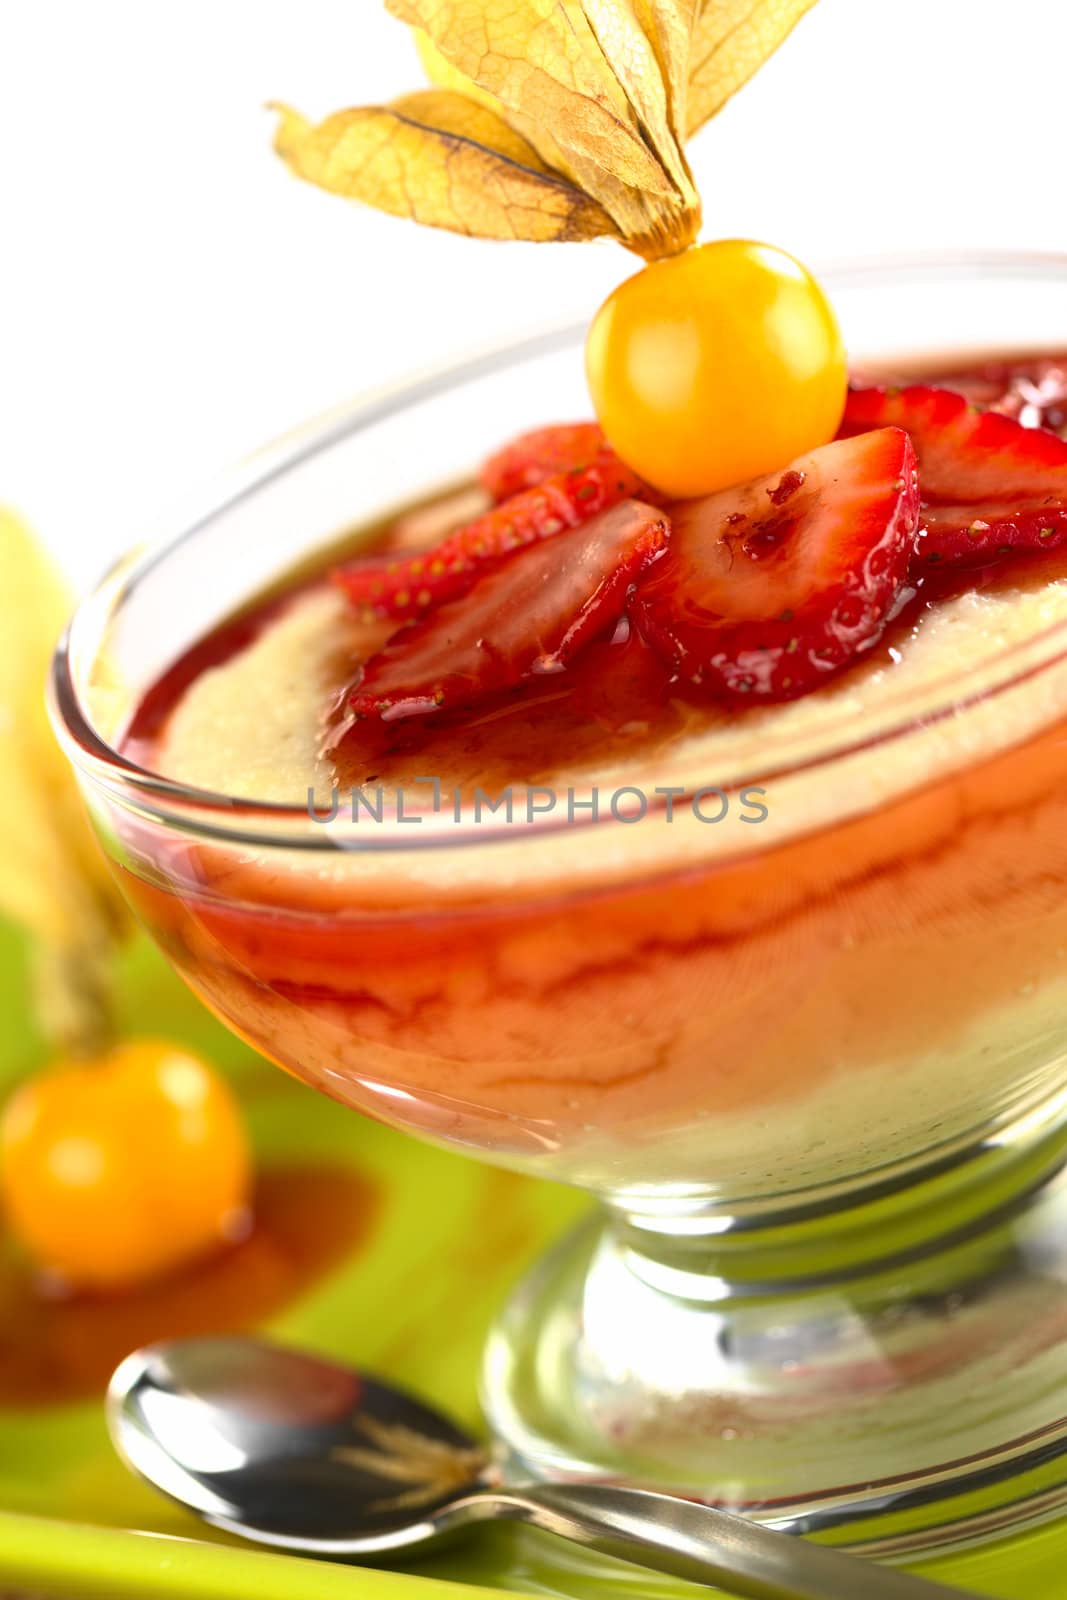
(729, 44)
(555, 119)
(53, 879)
(441, 158)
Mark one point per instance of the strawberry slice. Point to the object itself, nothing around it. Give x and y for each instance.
(767, 589)
(409, 586)
(530, 615)
(543, 453)
(989, 485)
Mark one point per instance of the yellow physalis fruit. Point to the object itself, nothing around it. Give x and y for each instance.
(117, 1169)
(716, 366)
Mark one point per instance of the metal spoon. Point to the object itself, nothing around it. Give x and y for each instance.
(291, 1451)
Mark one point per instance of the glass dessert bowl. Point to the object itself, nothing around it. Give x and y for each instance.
(783, 987)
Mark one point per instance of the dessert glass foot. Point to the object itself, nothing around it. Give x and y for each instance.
(883, 1369)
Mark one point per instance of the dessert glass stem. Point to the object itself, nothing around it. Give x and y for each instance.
(884, 1371)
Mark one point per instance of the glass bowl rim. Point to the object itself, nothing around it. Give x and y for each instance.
(188, 808)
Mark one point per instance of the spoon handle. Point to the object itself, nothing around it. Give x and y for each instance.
(699, 1543)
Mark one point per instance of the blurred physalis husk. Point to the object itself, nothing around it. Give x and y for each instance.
(54, 882)
(549, 119)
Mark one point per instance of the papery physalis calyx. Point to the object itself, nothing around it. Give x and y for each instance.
(54, 882)
(550, 119)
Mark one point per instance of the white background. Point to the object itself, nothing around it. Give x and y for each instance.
(170, 298)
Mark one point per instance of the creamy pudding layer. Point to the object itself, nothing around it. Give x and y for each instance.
(935, 698)
(877, 969)
(251, 727)
(720, 1098)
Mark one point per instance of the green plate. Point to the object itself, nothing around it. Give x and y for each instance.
(415, 1252)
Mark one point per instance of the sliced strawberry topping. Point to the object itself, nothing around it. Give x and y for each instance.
(409, 586)
(767, 589)
(544, 453)
(988, 484)
(529, 615)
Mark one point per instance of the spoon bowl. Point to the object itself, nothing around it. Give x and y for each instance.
(298, 1453)
(280, 1446)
